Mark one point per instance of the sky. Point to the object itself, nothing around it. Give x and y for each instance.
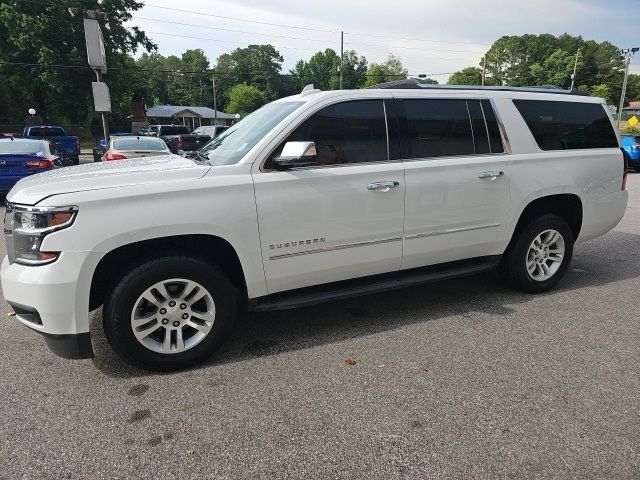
(433, 37)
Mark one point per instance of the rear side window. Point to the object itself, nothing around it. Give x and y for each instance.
(437, 128)
(567, 125)
(449, 127)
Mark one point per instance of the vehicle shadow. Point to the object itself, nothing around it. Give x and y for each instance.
(615, 257)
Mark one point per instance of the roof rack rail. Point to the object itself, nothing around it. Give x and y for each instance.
(416, 83)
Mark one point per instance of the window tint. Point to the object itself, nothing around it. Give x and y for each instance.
(495, 139)
(174, 130)
(567, 125)
(480, 135)
(348, 132)
(53, 149)
(437, 128)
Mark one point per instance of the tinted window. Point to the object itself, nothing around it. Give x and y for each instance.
(174, 131)
(495, 139)
(437, 128)
(53, 148)
(22, 147)
(138, 143)
(46, 132)
(348, 132)
(480, 134)
(567, 125)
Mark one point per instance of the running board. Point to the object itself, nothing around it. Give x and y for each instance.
(379, 283)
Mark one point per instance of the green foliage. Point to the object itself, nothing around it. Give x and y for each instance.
(43, 32)
(392, 69)
(548, 60)
(257, 65)
(601, 91)
(244, 99)
(466, 76)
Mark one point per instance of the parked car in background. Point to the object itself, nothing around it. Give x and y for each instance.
(212, 131)
(126, 147)
(102, 146)
(631, 145)
(68, 144)
(21, 157)
(179, 140)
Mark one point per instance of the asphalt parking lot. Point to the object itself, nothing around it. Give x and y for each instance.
(463, 379)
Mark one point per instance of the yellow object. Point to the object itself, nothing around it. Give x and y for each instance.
(633, 121)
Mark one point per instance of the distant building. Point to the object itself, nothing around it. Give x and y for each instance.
(192, 117)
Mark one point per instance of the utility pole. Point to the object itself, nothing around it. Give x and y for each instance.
(628, 53)
(341, 57)
(484, 69)
(215, 99)
(575, 68)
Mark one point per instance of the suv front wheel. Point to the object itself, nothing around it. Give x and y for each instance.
(539, 256)
(170, 313)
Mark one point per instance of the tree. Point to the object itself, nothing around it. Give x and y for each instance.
(62, 94)
(354, 71)
(244, 99)
(466, 76)
(390, 70)
(320, 70)
(257, 65)
(601, 91)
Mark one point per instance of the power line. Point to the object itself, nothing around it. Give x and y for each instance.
(415, 39)
(242, 19)
(229, 29)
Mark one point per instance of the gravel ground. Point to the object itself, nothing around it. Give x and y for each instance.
(463, 379)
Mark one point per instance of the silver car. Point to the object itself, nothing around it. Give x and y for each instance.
(122, 148)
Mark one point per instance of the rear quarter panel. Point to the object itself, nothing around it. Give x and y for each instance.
(594, 175)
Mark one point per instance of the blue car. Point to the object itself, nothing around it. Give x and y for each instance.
(21, 157)
(631, 145)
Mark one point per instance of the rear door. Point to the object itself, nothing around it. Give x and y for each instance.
(457, 178)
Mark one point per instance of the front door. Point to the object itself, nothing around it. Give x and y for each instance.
(338, 219)
(457, 180)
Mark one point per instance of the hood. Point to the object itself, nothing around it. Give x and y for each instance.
(95, 176)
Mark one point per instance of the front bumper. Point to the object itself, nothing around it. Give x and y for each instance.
(52, 300)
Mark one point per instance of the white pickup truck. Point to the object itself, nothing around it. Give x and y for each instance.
(314, 197)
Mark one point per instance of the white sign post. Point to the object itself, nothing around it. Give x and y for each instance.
(97, 60)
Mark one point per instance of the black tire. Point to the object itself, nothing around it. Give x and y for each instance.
(122, 299)
(513, 268)
(75, 160)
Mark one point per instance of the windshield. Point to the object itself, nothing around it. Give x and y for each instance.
(175, 130)
(230, 146)
(139, 143)
(18, 147)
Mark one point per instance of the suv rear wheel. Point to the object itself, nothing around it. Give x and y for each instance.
(170, 313)
(539, 256)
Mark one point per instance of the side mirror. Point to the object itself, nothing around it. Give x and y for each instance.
(296, 154)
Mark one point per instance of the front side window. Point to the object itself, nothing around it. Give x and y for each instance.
(347, 132)
(437, 128)
(558, 125)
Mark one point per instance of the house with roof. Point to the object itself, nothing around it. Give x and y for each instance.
(192, 117)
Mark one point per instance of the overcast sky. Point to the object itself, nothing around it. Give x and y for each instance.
(434, 37)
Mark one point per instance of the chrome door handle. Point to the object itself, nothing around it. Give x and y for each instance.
(492, 174)
(383, 186)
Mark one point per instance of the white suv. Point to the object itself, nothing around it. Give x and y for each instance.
(314, 197)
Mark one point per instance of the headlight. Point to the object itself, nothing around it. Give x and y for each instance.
(26, 227)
